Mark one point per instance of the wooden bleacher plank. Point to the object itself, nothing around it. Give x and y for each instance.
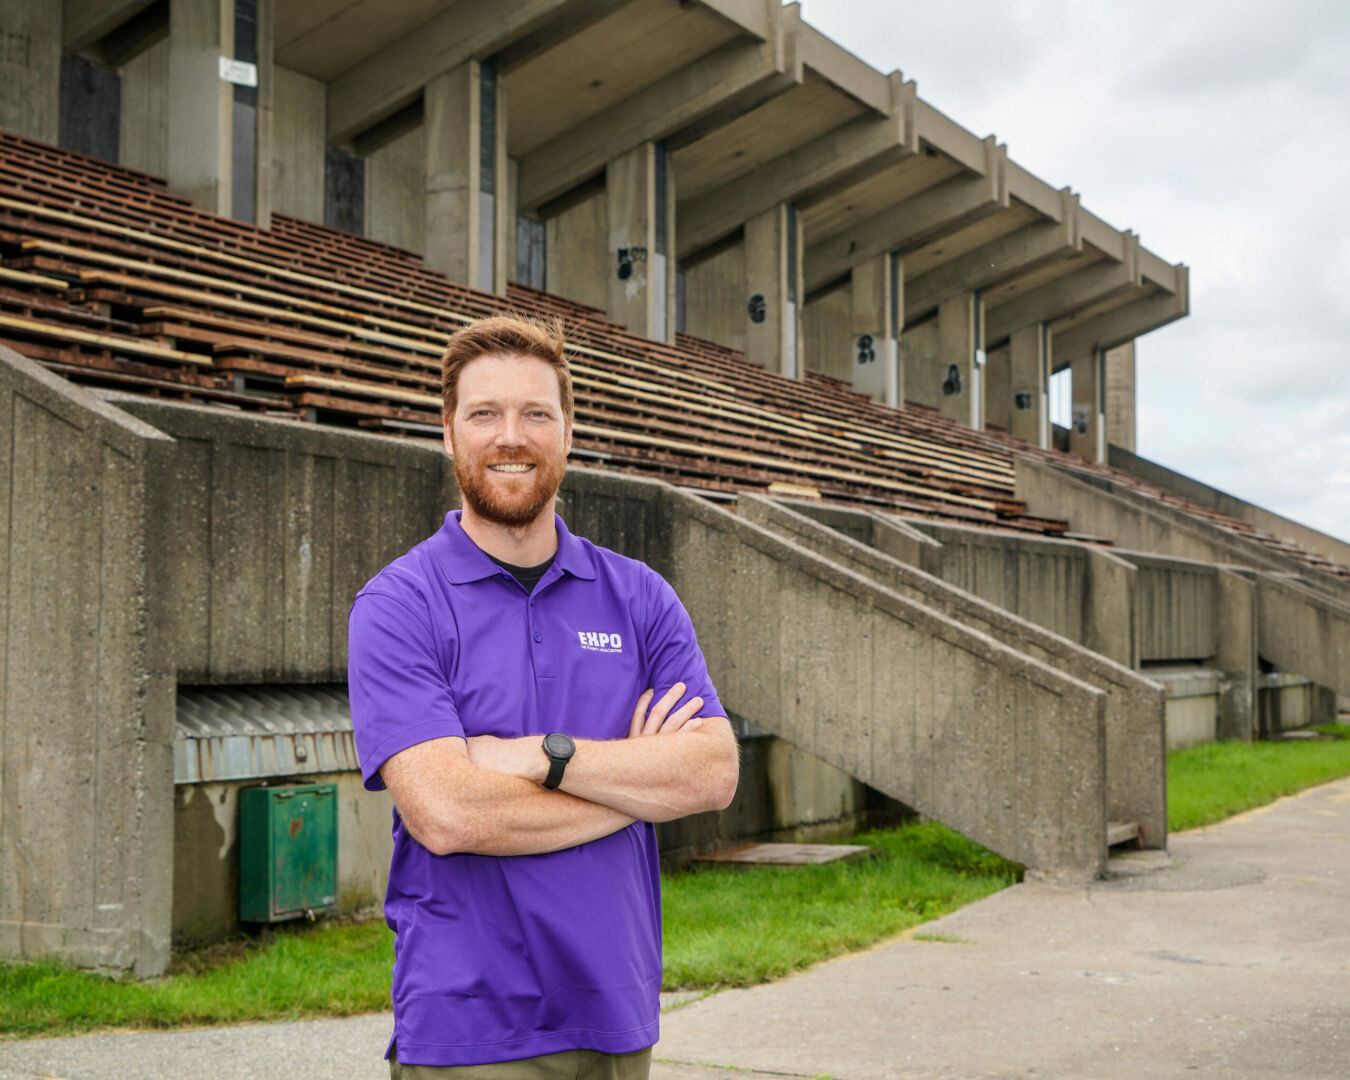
(105, 341)
(24, 277)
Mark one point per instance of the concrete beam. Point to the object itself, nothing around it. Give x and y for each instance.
(802, 175)
(755, 17)
(915, 222)
(743, 73)
(849, 72)
(83, 22)
(1063, 296)
(1006, 257)
(1126, 323)
(384, 82)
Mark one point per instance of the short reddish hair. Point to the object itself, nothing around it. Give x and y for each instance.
(508, 335)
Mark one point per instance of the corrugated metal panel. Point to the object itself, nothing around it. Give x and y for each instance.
(255, 732)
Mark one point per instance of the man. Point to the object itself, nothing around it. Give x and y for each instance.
(533, 703)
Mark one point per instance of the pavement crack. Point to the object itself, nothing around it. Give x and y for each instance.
(747, 1069)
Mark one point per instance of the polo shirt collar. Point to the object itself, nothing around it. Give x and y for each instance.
(463, 561)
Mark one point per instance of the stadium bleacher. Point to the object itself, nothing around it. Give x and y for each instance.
(110, 280)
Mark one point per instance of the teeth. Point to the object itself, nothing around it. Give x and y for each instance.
(511, 468)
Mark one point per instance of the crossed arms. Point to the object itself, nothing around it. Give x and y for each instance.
(483, 795)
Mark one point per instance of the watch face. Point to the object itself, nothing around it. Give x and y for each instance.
(559, 745)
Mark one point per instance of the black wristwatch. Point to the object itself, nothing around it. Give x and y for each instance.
(559, 748)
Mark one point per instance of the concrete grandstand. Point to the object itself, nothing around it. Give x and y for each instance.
(813, 322)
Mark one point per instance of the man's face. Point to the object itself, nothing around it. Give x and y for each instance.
(508, 438)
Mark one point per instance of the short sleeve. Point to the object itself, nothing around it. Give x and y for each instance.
(398, 692)
(672, 649)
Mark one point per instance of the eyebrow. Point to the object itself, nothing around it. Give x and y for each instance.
(476, 402)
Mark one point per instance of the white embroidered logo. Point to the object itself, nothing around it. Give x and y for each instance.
(600, 642)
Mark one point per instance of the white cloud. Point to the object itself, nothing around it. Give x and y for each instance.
(1216, 131)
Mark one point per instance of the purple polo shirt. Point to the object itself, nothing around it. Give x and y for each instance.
(499, 958)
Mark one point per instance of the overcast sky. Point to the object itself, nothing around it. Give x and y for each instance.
(1215, 129)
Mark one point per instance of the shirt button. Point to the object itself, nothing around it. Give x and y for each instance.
(538, 636)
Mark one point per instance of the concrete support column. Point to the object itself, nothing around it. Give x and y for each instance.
(1029, 362)
(201, 104)
(1120, 396)
(470, 224)
(878, 300)
(30, 69)
(1087, 433)
(773, 276)
(640, 206)
(263, 172)
(1239, 715)
(960, 355)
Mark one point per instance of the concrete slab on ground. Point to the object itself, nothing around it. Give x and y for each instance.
(1227, 958)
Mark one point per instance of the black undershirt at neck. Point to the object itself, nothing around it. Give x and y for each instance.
(527, 575)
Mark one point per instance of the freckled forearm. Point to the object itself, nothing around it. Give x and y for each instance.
(651, 778)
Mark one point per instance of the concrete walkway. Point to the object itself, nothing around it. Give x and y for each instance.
(1228, 958)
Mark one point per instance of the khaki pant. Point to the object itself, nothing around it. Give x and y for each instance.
(565, 1065)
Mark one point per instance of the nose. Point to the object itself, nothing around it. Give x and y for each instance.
(511, 431)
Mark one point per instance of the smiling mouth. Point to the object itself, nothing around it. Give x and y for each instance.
(512, 468)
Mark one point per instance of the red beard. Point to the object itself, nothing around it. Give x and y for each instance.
(505, 498)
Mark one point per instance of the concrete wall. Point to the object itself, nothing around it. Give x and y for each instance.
(1134, 721)
(30, 68)
(145, 111)
(963, 729)
(1310, 539)
(396, 191)
(1194, 698)
(1099, 508)
(1043, 581)
(578, 263)
(827, 333)
(206, 852)
(86, 690)
(298, 143)
(1178, 609)
(1290, 703)
(715, 296)
(267, 528)
(1302, 631)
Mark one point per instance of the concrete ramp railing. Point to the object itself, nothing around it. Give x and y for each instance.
(1136, 765)
(999, 746)
(1301, 629)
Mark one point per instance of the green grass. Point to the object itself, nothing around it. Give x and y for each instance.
(324, 970)
(723, 927)
(727, 927)
(1208, 783)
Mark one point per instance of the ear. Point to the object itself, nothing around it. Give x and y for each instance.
(449, 443)
(567, 438)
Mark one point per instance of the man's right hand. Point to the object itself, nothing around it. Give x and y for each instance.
(661, 721)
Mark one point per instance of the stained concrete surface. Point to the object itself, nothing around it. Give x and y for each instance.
(1226, 957)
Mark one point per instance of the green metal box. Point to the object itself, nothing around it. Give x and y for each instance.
(287, 851)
